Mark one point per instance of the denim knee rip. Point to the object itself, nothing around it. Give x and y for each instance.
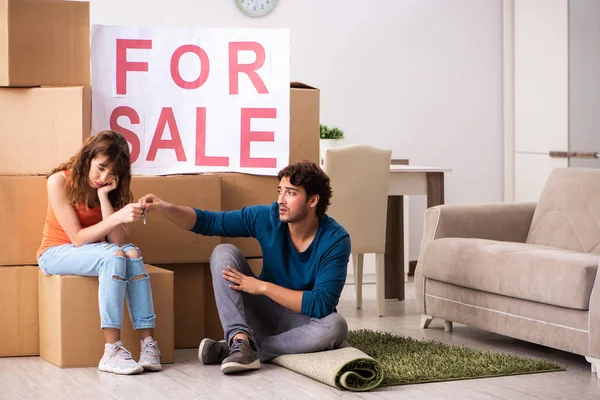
(131, 248)
(139, 277)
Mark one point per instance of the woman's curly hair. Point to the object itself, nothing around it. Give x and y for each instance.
(112, 145)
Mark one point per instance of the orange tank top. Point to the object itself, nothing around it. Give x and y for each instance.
(54, 235)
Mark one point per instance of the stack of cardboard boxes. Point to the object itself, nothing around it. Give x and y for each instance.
(41, 44)
(45, 110)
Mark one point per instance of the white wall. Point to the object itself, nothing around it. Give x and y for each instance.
(422, 77)
(541, 93)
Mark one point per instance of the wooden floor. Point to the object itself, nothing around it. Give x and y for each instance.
(32, 378)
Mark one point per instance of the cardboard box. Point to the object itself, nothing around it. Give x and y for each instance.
(255, 265)
(189, 303)
(304, 123)
(241, 190)
(44, 43)
(24, 201)
(70, 334)
(19, 335)
(161, 241)
(42, 127)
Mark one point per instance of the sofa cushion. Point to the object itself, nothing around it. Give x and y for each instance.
(568, 213)
(530, 272)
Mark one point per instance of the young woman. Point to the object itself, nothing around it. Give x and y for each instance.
(89, 207)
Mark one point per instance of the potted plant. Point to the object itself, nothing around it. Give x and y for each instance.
(329, 138)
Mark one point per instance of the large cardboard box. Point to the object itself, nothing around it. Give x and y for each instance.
(42, 127)
(190, 303)
(161, 241)
(70, 334)
(304, 123)
(19, 335)
(23, 200)
(44, 43)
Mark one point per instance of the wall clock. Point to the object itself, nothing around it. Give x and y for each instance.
(256, 8)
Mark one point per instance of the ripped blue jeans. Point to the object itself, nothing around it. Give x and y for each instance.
(121, 274)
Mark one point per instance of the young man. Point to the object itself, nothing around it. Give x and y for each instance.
(290, 307)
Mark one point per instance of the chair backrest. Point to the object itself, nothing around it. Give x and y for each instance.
(567, 215)
(360, 177)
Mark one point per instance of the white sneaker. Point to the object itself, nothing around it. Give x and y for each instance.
(150, 355)
(118, 360)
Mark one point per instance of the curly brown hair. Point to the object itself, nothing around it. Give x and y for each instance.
(314, 181)
(112, 145)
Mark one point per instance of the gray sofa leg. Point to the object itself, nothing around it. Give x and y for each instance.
(595, 365)
(425, 321)
(447, 326)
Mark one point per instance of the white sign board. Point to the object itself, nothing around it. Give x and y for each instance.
(192, 100)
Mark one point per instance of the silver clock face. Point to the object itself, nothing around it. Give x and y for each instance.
(256, 8)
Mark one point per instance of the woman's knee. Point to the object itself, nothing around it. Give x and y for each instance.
(131, 251)
(115, 262)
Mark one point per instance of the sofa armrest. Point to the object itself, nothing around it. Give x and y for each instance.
(594, 320)
(508, 222)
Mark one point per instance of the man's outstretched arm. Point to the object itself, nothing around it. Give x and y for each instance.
(182, 216)
(237, 223)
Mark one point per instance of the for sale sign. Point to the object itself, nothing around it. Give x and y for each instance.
(192, 100)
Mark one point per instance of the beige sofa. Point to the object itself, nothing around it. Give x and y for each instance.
(522, 270)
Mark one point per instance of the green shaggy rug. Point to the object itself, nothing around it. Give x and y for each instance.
(373, 359)
(405, 360)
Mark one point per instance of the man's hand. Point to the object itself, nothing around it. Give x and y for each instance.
(244, 283)
(150, 202)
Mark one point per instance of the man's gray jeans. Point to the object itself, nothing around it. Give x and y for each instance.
(274, 329)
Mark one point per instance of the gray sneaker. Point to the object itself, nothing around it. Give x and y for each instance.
(212, 352)
(118, 360)
(242, 357)
(150, 355)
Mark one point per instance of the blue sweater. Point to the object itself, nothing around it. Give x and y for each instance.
(319, 271)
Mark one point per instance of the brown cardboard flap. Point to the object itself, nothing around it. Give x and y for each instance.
(300, 85)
